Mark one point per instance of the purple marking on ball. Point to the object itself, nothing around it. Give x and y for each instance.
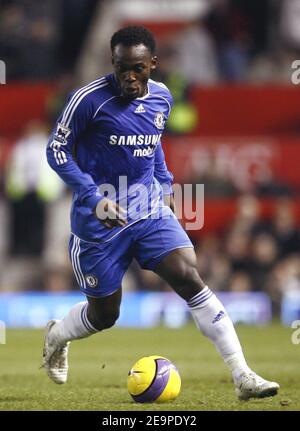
(158, 384)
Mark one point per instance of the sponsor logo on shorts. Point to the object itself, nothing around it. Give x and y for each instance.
(91, 280)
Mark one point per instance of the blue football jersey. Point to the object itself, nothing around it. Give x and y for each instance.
(104, 145)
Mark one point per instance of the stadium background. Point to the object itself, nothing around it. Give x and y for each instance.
(235, 128)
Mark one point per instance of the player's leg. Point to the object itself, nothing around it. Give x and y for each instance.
(99, 270)
(87, 318)
(179, 269)
(83, 320)
(102, 313)
(174, 259)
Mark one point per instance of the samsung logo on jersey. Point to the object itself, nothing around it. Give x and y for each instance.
(134, 139)
(141, 152)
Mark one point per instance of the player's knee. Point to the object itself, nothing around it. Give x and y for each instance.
(188, 275)
(103, 321)
(188, 283)
(193, 280)
(109, 321)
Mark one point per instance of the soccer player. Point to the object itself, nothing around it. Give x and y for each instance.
(106, 146)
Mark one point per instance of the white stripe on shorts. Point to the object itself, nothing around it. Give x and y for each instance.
(77, 254)
(73, 261)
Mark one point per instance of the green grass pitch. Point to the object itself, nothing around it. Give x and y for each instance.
(99, 367)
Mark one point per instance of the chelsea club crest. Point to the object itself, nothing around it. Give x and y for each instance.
(91, 280)
(159, 120)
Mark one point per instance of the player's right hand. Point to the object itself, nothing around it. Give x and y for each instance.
(110, 213)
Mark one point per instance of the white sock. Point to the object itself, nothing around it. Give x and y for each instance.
(74, 325)
(213, 321)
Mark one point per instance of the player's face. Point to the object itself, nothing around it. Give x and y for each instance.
(133, 66)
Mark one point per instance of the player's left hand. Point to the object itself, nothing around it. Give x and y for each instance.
(170, 201)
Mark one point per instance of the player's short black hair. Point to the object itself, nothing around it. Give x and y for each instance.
(133, 35)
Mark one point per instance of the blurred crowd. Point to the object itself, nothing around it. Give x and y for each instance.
(232, 40)
(237, 41)
(42, 40)
(251, 253)
(254, 253)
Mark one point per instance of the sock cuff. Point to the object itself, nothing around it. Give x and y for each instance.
(85, 321)
(200, 298)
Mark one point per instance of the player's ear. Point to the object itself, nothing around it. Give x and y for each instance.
(153, 63)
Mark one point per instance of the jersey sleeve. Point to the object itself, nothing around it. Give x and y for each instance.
(72, 122)
(161, 172)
